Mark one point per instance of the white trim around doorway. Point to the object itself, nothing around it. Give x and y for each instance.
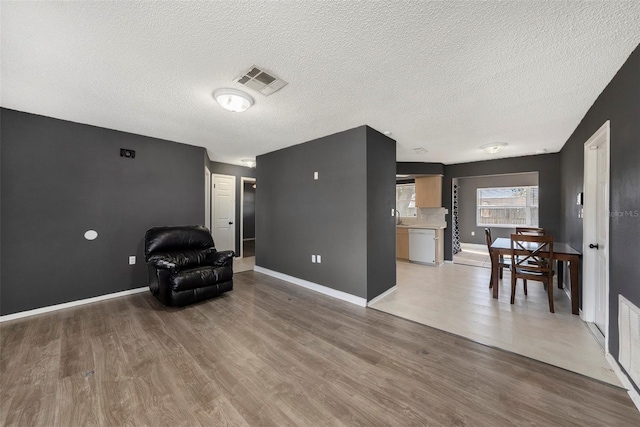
(242, 181)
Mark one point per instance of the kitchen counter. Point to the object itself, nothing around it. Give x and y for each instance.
(427, 226)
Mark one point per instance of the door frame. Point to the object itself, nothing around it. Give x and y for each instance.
(588, 312)
(208, 198)
(243, 179)
(213, 199)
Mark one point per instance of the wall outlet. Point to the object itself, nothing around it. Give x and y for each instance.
(315, 175)
(473, 233)
(132, 260)
(313, 259)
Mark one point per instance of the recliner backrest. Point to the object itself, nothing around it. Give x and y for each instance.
(176, 238)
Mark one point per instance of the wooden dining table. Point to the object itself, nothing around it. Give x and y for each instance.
(562, 252)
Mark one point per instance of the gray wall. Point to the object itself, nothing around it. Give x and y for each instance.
(419, 168)
(381, 197)
(238, 172)
(249, 211)
(620, 103)
(467, 199)
(298, 216)
(546, 165)
(60, 179)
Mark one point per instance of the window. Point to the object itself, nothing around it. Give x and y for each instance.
(507, 207)
(406, 199)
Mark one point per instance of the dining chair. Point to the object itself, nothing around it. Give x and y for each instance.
(531, 258)
(531, 231)
(502, 262)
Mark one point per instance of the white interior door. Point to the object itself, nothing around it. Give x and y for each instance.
(602, 234)
(224, 212)
(596, 230)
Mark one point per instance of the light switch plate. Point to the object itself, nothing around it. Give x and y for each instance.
(319, 259)
(132, 260)
(313, 259)
(315, 175)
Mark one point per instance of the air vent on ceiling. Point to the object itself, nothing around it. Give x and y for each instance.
(261, 81)
(419, 150)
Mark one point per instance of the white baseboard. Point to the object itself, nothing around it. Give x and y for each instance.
(362, 302)
(56, 307)
(624, 379)
(382, 295)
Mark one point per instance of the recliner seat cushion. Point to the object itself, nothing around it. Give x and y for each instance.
(199, 277)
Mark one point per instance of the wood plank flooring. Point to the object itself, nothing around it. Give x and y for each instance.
(270, 353)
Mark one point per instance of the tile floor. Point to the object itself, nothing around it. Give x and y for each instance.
(457, 299)
(472, 257)
(243, 264)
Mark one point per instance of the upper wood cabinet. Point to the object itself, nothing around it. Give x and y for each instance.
(429, 191)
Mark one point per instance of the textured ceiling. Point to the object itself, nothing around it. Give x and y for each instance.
(446, 76)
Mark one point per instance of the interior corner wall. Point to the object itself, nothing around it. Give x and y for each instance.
(60, 179)
(238, 172)
(381, 226)
(467, 204)
(548, 168)
(297, 216)
(619, 102)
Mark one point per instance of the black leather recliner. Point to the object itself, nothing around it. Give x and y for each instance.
(184, 266)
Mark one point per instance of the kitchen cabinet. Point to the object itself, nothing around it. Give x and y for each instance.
(402, 243)
(429, 191)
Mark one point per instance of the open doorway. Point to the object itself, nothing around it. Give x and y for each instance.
(248, 217)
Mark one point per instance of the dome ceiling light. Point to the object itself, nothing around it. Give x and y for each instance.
(494, 147)
(233, 100)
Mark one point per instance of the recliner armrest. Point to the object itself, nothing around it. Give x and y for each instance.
(162, 262)
(222, 258)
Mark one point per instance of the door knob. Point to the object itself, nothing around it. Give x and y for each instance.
(230, 223)
(592, 246)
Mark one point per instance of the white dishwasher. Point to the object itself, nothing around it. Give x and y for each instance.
(422, 245)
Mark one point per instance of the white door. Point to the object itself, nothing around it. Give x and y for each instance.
(224, 212)
(596, 229)
(207, 198)
(602, 237)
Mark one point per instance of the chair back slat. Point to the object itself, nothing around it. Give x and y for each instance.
(532, 253)
(487, 238)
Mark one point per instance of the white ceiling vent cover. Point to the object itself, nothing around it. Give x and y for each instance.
(261, 81)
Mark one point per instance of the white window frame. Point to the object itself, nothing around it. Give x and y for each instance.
(413, 200)
(527, 208)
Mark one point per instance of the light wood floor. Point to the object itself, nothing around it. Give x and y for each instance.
(270, 353)
(243, 264)
(457, 299)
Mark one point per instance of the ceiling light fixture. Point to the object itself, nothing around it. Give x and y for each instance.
(233, 100)
(494, 147)
(249, 162)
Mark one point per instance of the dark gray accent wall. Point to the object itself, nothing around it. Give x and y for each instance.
(249, 211)
(238, 172)
(619, 102)
(419, 168)
(467, 200)
(60, 179)
(548, 168)
(297, 216)
(381, 197)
